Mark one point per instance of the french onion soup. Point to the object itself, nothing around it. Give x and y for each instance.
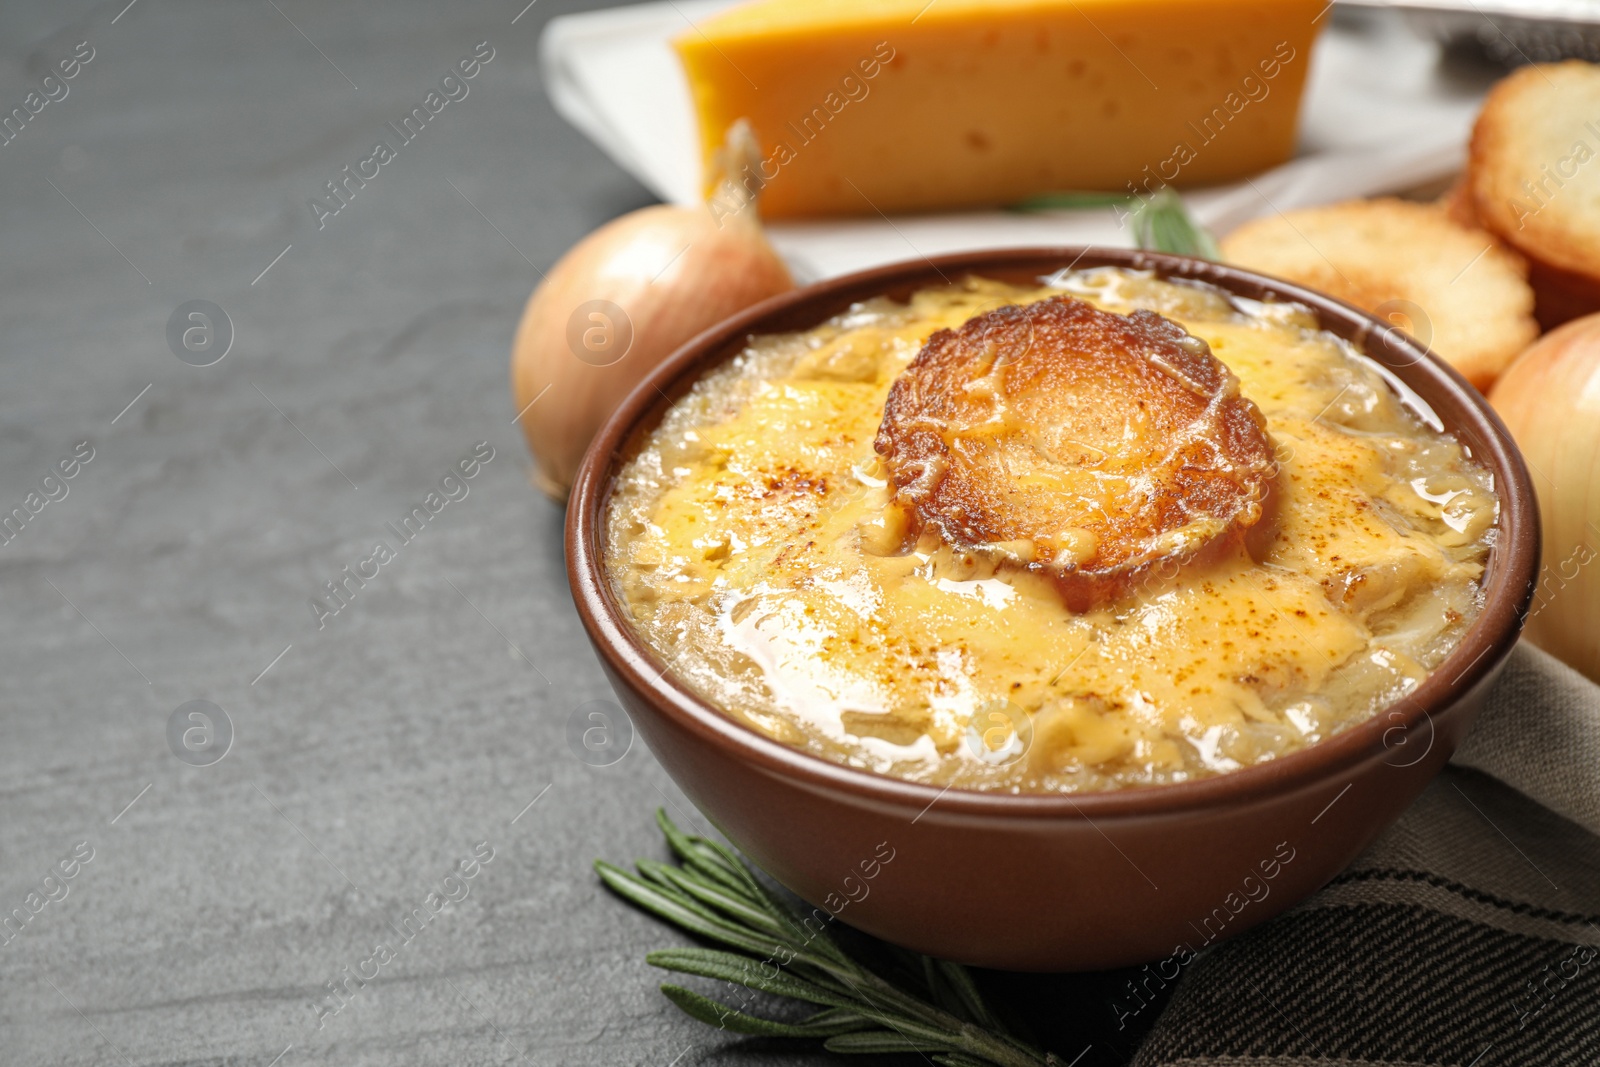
(1102, 532)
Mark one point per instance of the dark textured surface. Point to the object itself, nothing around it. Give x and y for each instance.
(377, 751)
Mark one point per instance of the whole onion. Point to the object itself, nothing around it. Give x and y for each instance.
(624, 298)
(1550, 399)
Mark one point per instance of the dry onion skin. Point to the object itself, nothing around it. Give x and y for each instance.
(1550, 400)
(623, 299)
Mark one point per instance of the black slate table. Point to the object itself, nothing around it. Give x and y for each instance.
(251, 851)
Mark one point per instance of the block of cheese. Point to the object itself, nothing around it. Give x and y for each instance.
(863, 106)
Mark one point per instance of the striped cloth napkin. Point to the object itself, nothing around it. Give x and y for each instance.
(1468, 935)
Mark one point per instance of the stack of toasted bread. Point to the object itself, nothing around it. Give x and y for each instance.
(1533, 180)
(1514, 246)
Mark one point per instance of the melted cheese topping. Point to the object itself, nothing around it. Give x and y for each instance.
(752, 540)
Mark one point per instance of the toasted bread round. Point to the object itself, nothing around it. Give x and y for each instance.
(1454, 288)
(1533, 176)
(1075, 443)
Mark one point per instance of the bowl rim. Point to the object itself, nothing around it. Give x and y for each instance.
(1511, 569)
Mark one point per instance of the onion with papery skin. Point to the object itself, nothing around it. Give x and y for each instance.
(1550, 400)
(623, 299)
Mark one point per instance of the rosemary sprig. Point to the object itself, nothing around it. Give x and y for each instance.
(711, 893)
(1161, 222)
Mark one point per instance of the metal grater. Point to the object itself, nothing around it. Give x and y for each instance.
(1510, 32)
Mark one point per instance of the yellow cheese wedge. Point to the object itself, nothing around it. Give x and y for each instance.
(863, 106)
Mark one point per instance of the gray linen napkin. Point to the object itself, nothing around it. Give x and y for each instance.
(1468, 935)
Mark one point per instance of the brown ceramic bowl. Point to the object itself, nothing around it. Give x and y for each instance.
(1051, 882)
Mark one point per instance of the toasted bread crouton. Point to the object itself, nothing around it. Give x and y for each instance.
(1075, 443)
(1533, 180)
(1456, 289)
